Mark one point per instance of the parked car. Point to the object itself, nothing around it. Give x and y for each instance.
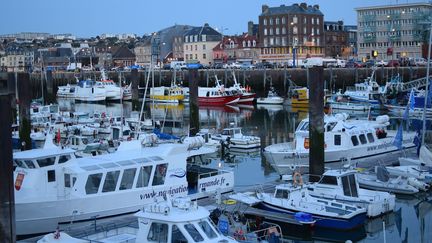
(264, 65)
(381, 63)
(235, 65)
(369, 63)
(393, 63)
(247, 66)
(217, 66)
(420, 61)
(166, 66)
(354, 64)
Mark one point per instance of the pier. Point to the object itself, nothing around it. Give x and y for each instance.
(258, 79)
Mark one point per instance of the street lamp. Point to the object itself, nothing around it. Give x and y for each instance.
(294, 45)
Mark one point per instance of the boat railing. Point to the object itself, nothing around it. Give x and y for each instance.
(213, 173)
(264, 234)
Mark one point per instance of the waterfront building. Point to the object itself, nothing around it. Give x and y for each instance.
(122, 56)
(242, 48)
(169, 40)
(393, 31)
(142, 51)
(336, 39)
(17, 59)
(199, 43)
(352, 39)
(285, 29)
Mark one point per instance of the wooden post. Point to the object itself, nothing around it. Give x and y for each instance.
(193, 102)
(49, 88)
(135, 98)
(7, 202)
(316, 122)
(24, 99)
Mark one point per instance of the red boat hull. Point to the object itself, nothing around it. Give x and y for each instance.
(218, 101)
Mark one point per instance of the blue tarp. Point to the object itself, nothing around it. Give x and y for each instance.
(161, 135)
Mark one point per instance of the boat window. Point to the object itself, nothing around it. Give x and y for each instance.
(362, 139)
(330, 126)
(225, 132)
(127, 179)
(337, 139)
(67, 180)
(73, 181)
(177, 236)
(159, 174)
(349, 186)
(329, 180)
(281, 193)
(111, 179)
(51, 175)
(354, 140)
(64, 158)
(20, 163)
(46, 161)
(144, 176)
(305, 127)
(370, 137)
(29, 164)
(207, 229)
(193, 232)
(93, 182)
(158, 233)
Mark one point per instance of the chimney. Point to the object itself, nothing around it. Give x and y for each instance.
(316, 7)
(250, 28)
(264, 8)
(295, 4)
(303, 6)
(206, 25)
(283, 5)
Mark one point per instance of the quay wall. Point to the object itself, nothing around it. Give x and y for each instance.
(258, 80)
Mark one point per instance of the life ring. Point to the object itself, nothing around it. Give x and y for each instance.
(229, 202)
(297, 179)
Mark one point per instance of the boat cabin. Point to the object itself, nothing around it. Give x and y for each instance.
(344, 181)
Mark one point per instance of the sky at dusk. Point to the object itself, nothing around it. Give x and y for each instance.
(85, 18)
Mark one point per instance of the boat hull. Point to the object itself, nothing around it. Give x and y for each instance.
(321, 221)
(218, 101)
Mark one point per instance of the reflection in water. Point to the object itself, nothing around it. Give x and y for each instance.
(411, 221)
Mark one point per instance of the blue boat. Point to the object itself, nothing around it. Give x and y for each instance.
(327, 213)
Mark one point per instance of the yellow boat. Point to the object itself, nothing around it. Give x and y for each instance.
(167, 94)
(299, 97)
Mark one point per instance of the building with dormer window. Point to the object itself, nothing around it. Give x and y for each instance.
(198, 44)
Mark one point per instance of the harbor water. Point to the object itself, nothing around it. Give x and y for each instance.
(410, 222)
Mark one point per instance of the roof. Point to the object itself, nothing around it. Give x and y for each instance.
(293, 9)
(395, 6)
(41, 153)
(211, 34)
(123, 52)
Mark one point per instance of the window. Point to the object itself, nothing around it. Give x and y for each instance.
(29, 164)
(196, 47)
(159, 174)
(277, 20)
(349, 186)
(51, 175)
(295, 30)
(271, 21)
(370, 137)
(304, 30)
(281, 193)
(354, 140)
(193, 232)
(204, 46)
(265, 21)
(271, 31)
(203, 37)
(158, 232)
(283, 20)
(46, 161)
(93, 182)
(177, 236)
(295, 20)
(337, 139)
(144, 176)
(111, 179)
(277, 31)
(67, 180)
(64, 158)
(362, 139)
(265, 31)
(330, 180)
(283, 30)
(208, 230)
(204, 56)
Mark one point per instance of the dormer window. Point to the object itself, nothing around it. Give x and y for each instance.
(244, 43)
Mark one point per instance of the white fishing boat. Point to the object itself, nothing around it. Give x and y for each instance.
(90, 91)
(272, 98)
(112, 90)
(176, 220)
(67, 91)
(369, 91)
(127, 92)
(327, 213)
(236, 139)
(416, 168)
(343, 102)
(73, 190)
(245, 95)
(343, 186)
(361, 142)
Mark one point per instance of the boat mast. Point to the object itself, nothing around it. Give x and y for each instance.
(427, 86)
